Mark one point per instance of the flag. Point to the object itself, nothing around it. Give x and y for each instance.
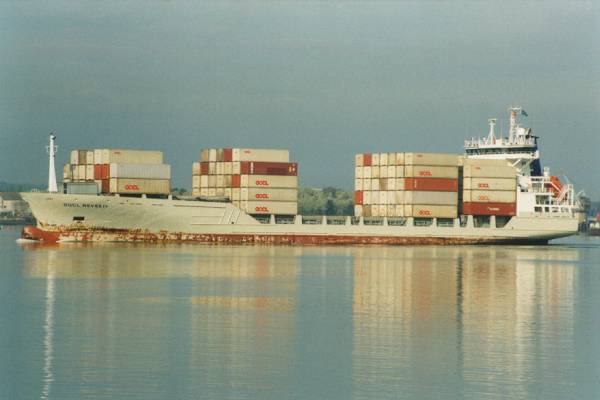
(523, 112)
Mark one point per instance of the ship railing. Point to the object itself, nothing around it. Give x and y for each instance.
(517, 141)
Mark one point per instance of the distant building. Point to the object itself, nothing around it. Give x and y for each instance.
(11, 205)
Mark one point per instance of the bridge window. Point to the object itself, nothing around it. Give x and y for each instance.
(481, 221)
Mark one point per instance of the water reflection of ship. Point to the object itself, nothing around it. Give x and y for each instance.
(217, 298)
(410, 304)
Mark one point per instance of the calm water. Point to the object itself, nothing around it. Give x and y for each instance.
(206, 322)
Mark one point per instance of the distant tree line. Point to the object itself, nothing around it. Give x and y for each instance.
(326, 201)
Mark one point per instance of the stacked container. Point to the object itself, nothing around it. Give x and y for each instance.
(406, 185)
(120, 171)
(489, 187)
(258, 181)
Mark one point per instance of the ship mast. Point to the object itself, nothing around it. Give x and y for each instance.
(51, 149)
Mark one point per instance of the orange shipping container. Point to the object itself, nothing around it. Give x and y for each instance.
(503, 209)
(358, 197)
(431, 184)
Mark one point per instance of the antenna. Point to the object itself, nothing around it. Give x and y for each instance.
(51, 149)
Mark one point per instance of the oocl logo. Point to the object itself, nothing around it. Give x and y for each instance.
(260, 209)
(483, 185)
(424, 173)
(262, 182)
(424, 212)
(132, 187)
(261, 195)
(483, 198)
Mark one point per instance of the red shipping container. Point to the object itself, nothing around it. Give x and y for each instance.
(503, 209)
(105, 171)
(204, 168)
(431, 184)
(236, 181)
(105, 185)
(227, 155)
(367, 160)
(358, 197)
(268, 168)
(97, 171)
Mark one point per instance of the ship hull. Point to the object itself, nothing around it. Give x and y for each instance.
(63, 218)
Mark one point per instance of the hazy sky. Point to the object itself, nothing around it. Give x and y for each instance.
(324, 79)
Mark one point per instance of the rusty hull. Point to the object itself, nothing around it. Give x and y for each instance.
(124, 235)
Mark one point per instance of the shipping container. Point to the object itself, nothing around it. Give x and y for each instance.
(462, 161)
(273, 181)
(89, 157)
(383, 170)
(196, 181)
(227, 181)
(212, 181)
(375, 159)
(227, 168)
(235, 194)
(204, 192)
(429, 197)
(271, 207)
(212, 155)
(374, 171)
(268, 168)
(204, 157)
(196, 168)
(489, 196)
(430, 211)
(235, 168)
(98, 159)
(383, 184)
(391, 171)
(195, 191)
(432, 184)
(219, 168)
(264, 194)
(220, 155)
(367, 197)
(399, 197)
(425, 171)
(358, 210)
(399, 171)
(366, 184)
(139, 186)
(475, 171)
(490, 184)
(392, 159)
(399, 158)
(227, 155)
(367, 159)
(122, 156)
(431, 159)
(375, 184)
(264, 155)
(236, 181)
(358, 160)
(358, 172)
(203, 181)
(391, 210)
(375, 197)
(82, 157)
(212, 191)
(366, 210)
(212, 168)
(220, 192)
(227, 191)
(89, 172)
(374, 210)
(383, 159)
(220, 181)
(358, 184)
(86, 188)
(142, 171)
(502, 209)
(382, 210)
(74, 157)
(367, 172)
(204, 167)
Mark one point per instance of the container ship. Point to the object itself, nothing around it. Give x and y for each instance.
(495, 193)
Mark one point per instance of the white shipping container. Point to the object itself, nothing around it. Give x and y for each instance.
(391, 197)
(424, 171)
(383, 210)
(374, 210)
(227, 168)
(375, 184)
(375, 172)
(196, 181)
(271, 207)
(430, 211)
(212, 191)
(121, 156)
(399, 197)
(227, 192)
(489, 196)
(383, 159)
(74, 157)
(203, 191)
(260, 194)
(204, 181)
(367, 197)
(139, 186)
(358, 172)
(490, 184)
(212, 181)
(375, 197)
(219, 168)
(98, 156)
(391, 184)
(89, 158)
(431, 159)
(358, 160)
(235, 193)
(391, 158)
(212, 155)
(264, 155)
(358, 184)
(358, 210)
(383, 171)
(235, 155)
(375, 159)
(270, 181)
(220, 155)
(220, 192)
(434, 198)
(399, 183)
(391, 171)
(367, 172)
(89, 172)
(400, 171)
(383, 197)
(391, 210)
(195, 192)
(235, 168)
(399, 158)
(220, 181)
(366, 184)
(212, 168)
(141, 171)
(475, 171)
(227, 179)
(196, 168)
(399, 211)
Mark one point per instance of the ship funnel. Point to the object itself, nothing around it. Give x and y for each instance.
(492, 134)
(51, 148)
